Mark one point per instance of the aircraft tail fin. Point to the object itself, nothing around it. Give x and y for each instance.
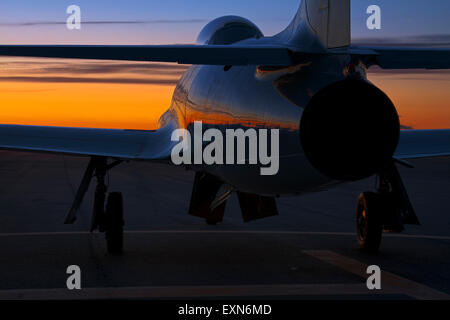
(327, 20)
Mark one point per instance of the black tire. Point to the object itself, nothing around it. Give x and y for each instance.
(369, 221)
(98, 216)
(114, 223)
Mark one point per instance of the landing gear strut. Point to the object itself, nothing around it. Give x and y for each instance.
(389, 209)
(114, 223)
(107, 219)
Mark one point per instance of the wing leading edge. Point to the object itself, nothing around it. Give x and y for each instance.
(237, 54)
(157, 145)
(120, 144)
(416, 144)
(183, 54)
(404, 58)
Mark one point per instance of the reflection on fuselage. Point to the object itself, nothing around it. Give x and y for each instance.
(241, 97)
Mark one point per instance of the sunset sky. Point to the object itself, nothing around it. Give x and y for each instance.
(133, 95)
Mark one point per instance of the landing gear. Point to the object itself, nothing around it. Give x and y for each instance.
(389, 209)
(107, 219)
(212, 222)
(369, 224)
(114, 223)
(209, 198)
(216, 216)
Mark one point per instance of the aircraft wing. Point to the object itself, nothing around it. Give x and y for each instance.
(405, 58)
(416, 144)
(120, 144)
(271, 55)
(157, 145)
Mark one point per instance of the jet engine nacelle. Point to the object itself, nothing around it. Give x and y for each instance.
(228, 30)
(350, 130)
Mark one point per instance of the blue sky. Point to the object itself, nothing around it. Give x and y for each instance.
(399, 18)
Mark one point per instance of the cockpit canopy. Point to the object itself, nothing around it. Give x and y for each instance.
(228, 30)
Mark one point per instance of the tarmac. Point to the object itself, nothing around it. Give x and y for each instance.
(309, 251)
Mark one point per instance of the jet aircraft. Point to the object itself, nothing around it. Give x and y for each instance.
(308, 81)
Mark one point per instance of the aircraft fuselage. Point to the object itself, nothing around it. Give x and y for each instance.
(248, 97)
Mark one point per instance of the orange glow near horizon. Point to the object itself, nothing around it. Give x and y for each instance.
(42, 92)
(422, 100)
(32, 93)
(79, 105)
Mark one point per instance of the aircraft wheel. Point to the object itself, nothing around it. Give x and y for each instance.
(114, 223)
(369, 221)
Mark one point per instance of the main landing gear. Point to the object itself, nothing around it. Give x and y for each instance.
(387, 210)
(108, 219)
(210, 196)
